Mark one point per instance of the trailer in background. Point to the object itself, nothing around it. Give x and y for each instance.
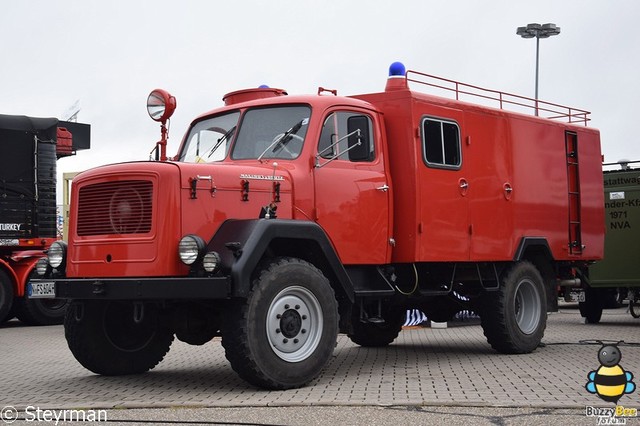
(29, 150)
(617, 276)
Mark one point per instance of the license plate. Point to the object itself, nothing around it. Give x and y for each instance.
(576, 296)
(41, 290)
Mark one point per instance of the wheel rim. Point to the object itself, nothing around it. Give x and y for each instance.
(527, 306)
(294, 324)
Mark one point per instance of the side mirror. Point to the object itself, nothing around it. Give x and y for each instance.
(359, 145)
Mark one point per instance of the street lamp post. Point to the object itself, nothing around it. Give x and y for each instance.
(538, 31)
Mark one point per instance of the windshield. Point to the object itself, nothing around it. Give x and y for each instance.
(275, 132)
(209, 139)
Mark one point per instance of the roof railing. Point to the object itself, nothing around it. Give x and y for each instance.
(501, 100)
(621, 165)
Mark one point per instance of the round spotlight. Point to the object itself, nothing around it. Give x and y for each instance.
(41, 266)
(190, 249)
(211, 261)
(57, 253)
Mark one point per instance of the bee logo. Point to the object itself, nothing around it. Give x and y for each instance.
(610, 381)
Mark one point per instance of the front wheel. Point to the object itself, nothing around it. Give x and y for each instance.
(284, 333)
(116, 337)
(515, 316)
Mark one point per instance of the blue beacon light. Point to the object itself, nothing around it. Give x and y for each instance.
(397, 69)
(396, 80)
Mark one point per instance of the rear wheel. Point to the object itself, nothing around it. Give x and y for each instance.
(11, 314)
(372, 334)
(515, 316)
(116, 337)
(284, 333)
(6, 297)
(591, 308)
(41, 311)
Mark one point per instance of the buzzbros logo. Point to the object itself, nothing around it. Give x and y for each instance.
(610, 381)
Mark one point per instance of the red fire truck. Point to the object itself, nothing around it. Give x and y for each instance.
(284, 220)
(28, 220)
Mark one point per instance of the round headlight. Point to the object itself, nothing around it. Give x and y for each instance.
(190, 249)
(57, 253)
(41, 266)
(211, 261)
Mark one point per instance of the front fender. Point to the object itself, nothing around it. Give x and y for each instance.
(19, 268)
(243, 243)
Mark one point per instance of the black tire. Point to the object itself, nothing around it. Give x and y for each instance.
(284, 333)
(591, 308)
(620, 295)
(375, 335)
(6, 297)
(105, 339)
(11, 314)
(634, 309)
(515, 316)
(41, 311)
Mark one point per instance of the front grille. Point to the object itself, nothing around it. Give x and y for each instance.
(108, 208)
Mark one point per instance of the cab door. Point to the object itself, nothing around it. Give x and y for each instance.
(352, 190)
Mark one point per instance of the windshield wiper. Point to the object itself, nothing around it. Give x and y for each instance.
(223, 138)
(284, 138)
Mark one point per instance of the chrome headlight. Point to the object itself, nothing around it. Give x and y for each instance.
(211, 261)
(41, 266)
(190, 249)
(57, 254)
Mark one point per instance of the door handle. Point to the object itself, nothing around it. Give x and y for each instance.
(508, 190)
(463, 185)
(383, 188)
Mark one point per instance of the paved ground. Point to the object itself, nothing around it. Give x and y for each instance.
(428, 375)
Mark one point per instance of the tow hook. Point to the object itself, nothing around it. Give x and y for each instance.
(138, 312)
(98, 288)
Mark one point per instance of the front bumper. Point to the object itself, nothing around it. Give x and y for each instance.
(140, 288)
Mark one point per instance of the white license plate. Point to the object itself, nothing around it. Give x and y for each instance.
(41, 290)
(576, 296)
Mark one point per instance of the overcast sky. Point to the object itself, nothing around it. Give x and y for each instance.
(110, 54)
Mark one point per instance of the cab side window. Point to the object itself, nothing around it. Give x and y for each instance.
(347, 136)
(441, 143)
